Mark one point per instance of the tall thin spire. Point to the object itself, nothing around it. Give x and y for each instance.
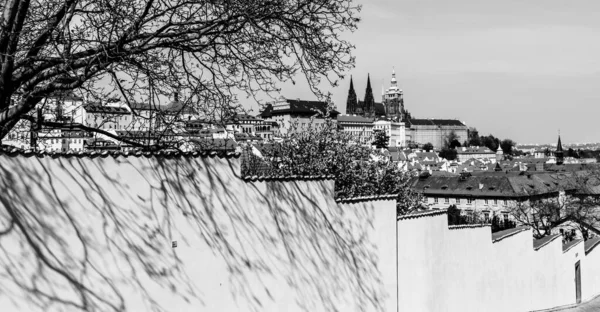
(352, 100)
(559, 151)
(369, 103)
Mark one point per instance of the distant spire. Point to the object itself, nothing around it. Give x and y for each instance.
(369, 102)
(559, 145)
(559, 152)
(351, 102)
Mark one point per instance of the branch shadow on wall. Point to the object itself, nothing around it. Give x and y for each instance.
(80, 234)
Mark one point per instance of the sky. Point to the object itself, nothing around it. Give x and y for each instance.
(516, 69)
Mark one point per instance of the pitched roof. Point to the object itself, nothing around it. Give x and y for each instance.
(474, 150)
(103, 109)
(379, 109)
(436, 122)
(354, 119)
(215, 144)
(298, 107)
(494, 185)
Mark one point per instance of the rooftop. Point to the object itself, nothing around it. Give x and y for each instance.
(493, 185)
(436, 122)
(301, 107)
(354, 119)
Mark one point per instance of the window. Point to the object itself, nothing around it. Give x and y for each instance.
(505, 214)
(495, 202)
(485, 201)
(458, 200)
(446, 200)
(505, 202)
(486, 216)
(435, 200)
(469, 201)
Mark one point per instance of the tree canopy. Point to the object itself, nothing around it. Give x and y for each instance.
(380, 139)
(428, 147)
(359, 170)
(145, 50)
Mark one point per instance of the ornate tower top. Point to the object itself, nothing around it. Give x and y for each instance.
(394, 82)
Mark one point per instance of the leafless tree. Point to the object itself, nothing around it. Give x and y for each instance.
(581, 206)
(539, 214)
(144, 50)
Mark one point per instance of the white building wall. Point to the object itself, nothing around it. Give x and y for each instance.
(449, 269)
(241, 246)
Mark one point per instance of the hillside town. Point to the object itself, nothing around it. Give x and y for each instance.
(238, 156)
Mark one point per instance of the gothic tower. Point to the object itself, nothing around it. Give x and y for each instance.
(394, 100)
(352, 100)
(560, 157)
(369, 102)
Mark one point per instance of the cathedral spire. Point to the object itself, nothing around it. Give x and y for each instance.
(352, 100)
(369, 103)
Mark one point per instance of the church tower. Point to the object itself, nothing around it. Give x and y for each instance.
(369, 102)
(560, 157)
(394, 100)
(352, 101)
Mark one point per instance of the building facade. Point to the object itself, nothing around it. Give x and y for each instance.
(296, 115)
(360, 128)
(435, 131)
(393, 129)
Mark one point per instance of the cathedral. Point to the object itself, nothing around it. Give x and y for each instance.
(391, 106)
(416, 132)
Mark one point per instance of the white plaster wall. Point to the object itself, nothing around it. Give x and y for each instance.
(442, 269)
(109, 223)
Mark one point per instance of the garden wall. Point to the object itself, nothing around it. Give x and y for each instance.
(186, 233)
(442, 268)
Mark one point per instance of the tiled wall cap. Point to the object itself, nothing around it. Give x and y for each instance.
(467, 226)
(93, 154)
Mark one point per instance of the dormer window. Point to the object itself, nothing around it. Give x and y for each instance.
(444, 187)
(469, 187)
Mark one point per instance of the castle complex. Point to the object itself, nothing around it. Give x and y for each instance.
(391, 109)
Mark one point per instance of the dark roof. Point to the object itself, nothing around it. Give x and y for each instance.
(354, 119)
(436, 122)
(215, 144)
(474, 150)
(244, 117)
(379, 109)
(103, 109)
(301, 107)
(485, 185)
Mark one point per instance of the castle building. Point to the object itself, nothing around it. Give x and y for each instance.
(391, 114)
